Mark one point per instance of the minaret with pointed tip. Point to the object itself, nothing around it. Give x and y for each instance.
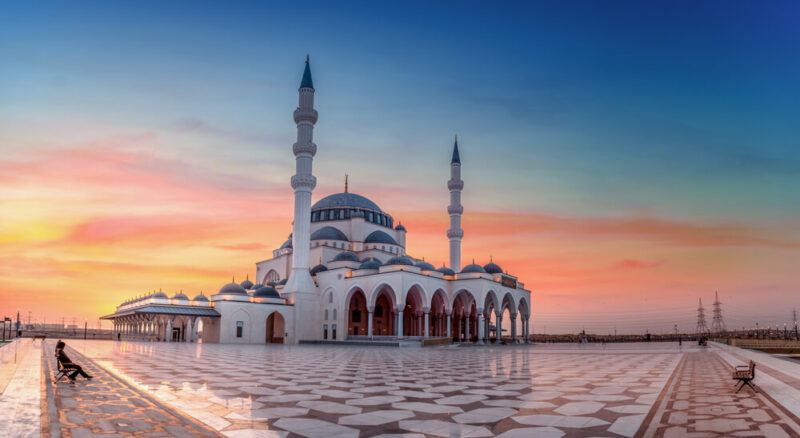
(303, 182)
(455, 209)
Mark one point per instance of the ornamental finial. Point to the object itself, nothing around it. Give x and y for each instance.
(307, 58)
(345, 182)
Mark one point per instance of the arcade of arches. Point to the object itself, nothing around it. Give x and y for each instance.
(464, 322)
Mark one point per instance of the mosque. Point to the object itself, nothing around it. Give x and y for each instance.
(343, 274)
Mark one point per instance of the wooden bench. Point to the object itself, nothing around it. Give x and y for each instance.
(745, 374)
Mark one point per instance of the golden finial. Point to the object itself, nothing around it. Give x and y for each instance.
(247, 277)
(320, 260)
(345, 182)
(233, 279)
(307, 58)
(490, 259)
(456, 138)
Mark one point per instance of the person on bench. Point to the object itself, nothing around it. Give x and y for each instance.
(66, 363)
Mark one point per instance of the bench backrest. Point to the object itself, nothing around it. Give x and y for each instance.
(752, 369)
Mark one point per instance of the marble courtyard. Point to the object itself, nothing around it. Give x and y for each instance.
(185, 389)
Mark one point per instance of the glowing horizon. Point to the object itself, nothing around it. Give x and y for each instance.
(621, 181)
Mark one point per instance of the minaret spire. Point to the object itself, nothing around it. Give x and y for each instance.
(345, 183)
(303, 183)
(455, 209)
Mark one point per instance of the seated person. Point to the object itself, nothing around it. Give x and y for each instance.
(66, 363)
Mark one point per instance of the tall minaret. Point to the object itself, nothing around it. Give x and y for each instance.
(303, 182)
(455, 233)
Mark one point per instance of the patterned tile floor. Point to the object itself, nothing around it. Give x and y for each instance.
(702, 402)
(329, 391)
(342, 391)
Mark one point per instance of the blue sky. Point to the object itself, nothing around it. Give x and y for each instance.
(673, 111)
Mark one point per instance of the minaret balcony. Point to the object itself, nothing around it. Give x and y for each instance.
(455, 184)
(304, 148)
(455, 234)
(455, 209)
(305, 115)
(304, 181)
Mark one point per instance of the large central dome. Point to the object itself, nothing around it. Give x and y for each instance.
(351, 200)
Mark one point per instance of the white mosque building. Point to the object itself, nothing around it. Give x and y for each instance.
(343, 274)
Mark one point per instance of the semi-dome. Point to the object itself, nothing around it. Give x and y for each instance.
(345, 200)
(158, 295)
(266, 292)
(492, 268)
(400, 260)
(400, 227)
(317, 269)
(446, 271)
(379, 236)
(472, 267)
(200, 297)
(346, 256)
(288, 243)
(328, 233)
(247, 284)
(370, 264)
(425, 266)
(233, 289)
(180, 296)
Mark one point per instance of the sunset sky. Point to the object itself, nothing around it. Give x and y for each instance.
(624, 159)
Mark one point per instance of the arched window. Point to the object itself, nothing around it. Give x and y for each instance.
(330, 297)
(326, 314)
(272, 276)
(334, 314)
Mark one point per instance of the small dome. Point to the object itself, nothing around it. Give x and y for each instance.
(400, 227)
(247, 284)
(282, 282)
(400, 260)
(180, 297)
(370, 264)
(158, 295)
(379, 236)
(425, 266)
(346, 256)
(492, 268)
(446, 271)
(288, 243)
(266, 292)
(232, 289)
(345, 200)
(317, 269)
(472, 267)
(271, 283)
(200, 297)
(328, 233)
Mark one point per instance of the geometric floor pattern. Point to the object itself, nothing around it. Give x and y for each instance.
(321, 391)
(702, 402)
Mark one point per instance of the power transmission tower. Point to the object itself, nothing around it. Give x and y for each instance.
(702, 328)
(718, 324)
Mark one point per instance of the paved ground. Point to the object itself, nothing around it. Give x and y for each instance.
(325, 391)
(106, 406)
(701, 401)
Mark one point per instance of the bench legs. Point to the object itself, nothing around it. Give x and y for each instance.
(746, 382)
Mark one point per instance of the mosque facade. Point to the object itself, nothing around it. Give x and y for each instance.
(343, 274)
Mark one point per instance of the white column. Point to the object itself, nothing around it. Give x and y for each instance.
(499, 326)
(303, 183)
(427, 322)
(514, 329)
(466, 328)
(188, 334)
(480, 327)
(168, 334)
(455, 209)
(369, 324)
(527, 329)
(399, 324)
(448, 326)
